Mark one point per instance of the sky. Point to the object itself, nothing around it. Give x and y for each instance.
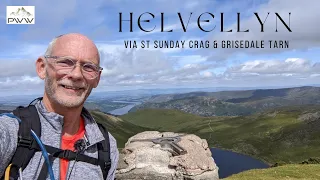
(149, 68)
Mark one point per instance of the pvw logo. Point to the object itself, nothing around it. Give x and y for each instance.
(20, 15)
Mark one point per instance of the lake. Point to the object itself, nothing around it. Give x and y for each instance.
(122, 111)
(228, 162)
(232, 163)
(125, 109)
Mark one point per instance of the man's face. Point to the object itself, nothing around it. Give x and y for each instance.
(71, 90)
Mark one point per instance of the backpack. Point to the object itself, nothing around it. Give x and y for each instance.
(27, 146)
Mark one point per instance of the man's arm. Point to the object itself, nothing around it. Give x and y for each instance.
(114, 156)
(8, 140)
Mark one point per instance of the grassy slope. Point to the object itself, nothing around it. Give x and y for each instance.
(279, 137)
(306, 172)
(273, 137)
(120, 129)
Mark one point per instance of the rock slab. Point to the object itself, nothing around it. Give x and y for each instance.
(143, 159)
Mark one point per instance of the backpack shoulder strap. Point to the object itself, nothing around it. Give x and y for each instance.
(104, 152)
(29, 120)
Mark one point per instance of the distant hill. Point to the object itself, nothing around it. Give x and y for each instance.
(7, 107)
(121, 130)
(282, 135)
(4, 111)
(233, 103)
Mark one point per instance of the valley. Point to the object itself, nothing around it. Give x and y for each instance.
(280, 127)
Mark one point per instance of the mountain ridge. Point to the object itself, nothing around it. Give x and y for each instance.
(233, 103)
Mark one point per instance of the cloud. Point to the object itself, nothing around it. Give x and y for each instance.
(207, 74)
(17, 68)
(131, 62)
(189, 59)
(21, 60)
(291, 71)
(59, 17)
(123, 67)
(187, 8)
(290, 65)
(157, 6)
(120, 65)
(304, 33)
(120, 73)
(134, 67)
(50, 17)
(22, 85)
(21, 45)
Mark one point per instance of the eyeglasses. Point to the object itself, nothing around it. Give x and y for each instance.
(66, 65)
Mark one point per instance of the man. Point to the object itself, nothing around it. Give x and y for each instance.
(70, 70)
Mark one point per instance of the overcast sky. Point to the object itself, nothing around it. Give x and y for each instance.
(135, 68)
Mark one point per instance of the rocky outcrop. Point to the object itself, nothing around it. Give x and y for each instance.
(149, 155)
(309, 117)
